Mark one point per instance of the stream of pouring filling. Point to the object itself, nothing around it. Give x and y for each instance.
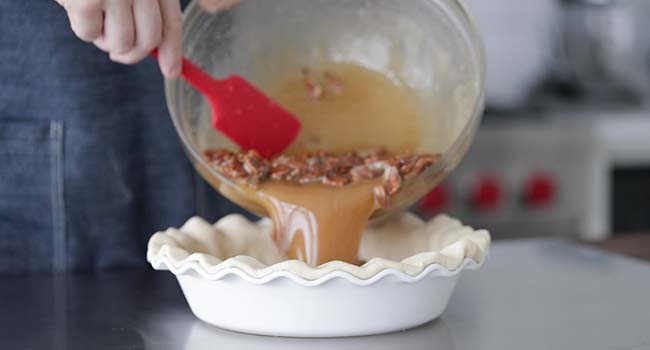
(342, 107)
(317, 223)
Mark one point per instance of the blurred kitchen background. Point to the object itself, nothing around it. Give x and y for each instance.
(564, 148)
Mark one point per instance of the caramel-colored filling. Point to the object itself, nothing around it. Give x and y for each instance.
(317, 223)
(357, 109)
(342, 108)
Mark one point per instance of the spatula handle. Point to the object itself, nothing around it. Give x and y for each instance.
(194, 75)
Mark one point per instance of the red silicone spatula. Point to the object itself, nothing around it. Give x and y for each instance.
(243, 113)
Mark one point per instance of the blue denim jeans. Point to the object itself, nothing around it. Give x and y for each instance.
(90, 165)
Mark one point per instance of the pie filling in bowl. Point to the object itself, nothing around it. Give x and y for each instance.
(234, 276)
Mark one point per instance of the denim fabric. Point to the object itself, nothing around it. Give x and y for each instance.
(90, 165)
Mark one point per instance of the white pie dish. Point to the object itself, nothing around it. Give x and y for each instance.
(234, 277)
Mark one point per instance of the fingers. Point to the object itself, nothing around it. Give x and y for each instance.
(128, 30)
(86, 18)
(170, 50)
(213, 6)
(119, 29)
(148, 32)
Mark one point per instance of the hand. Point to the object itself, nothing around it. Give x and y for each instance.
(128, 30)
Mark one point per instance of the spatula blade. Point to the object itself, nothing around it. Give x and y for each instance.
(251, 119)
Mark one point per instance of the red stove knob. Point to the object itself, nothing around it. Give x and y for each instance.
(539, 190)
(436, 200)
(486, 194)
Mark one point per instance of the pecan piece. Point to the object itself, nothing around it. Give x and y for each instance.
(336, 180)
(381, 197)
(393, 181)
(334, 84)
(313, 87)
(280, 172)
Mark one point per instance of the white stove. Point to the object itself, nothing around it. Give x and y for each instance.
(554, 175)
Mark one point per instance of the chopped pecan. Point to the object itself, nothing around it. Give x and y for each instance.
(381, 197)
(393, 181)
(334, 84)
(320, 167)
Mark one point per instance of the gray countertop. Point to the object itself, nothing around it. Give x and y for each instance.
(535, 294)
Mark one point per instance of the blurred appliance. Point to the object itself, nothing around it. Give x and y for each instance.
(572, 175)
(565, 147)
(527, 179)
(605, 47)
(625, 144)
(600, 47)
(519, 39)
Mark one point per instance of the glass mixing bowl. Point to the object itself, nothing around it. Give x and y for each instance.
(430, 46)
